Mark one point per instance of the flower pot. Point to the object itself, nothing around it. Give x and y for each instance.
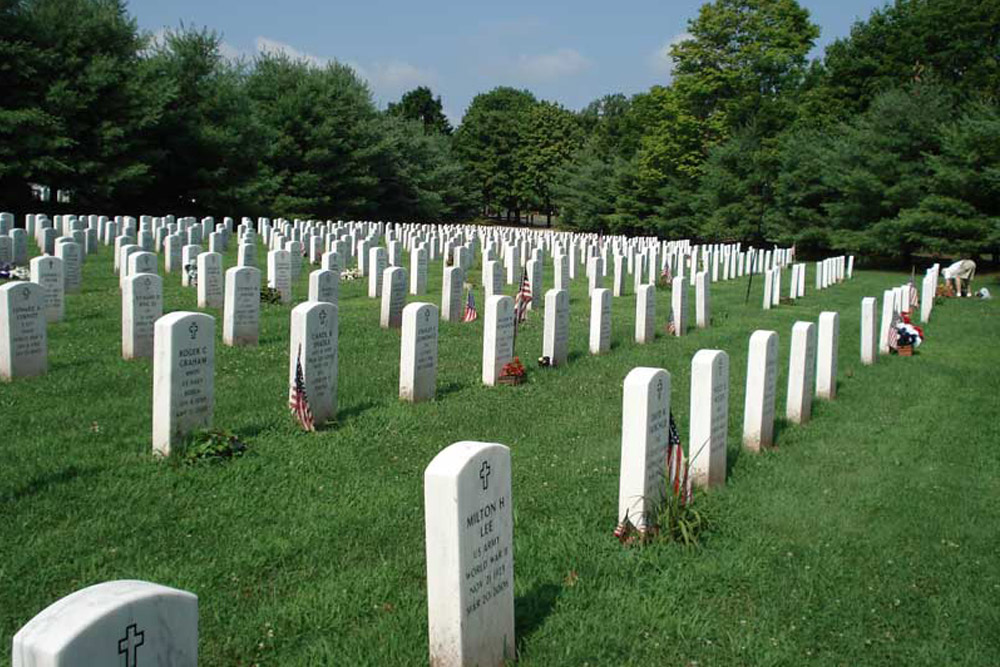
(510, 379)
(905, 350)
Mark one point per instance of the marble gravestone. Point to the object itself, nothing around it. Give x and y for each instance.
(498, 337)
(47, 272)
(142, 306)
(468, 515)
(313, 344)
(377, 264)
(324, 285)
(678, 305)
(418, 271)
(600, 321)
(826, 355)
(709, 417)
(645, 314)
(451, 295)
(418, 349)
(71, 255)
(241, 310)
(279, 273)
(211, 290)
(555, 337)
(23, 334)
(762, 382)
(645, 431)
(393, 297)
(801, 373)
(869, 338)
(183, 377)
(703, 306)
(124, 623)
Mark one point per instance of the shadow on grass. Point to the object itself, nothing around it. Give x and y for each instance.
(531, 610)
(354, 411)
(44, 481)
(450, 388)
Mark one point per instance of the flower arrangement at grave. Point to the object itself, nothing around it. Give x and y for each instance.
(544, 362)
(513, 372)
(350, 274)
(14, 272)
(910, 336)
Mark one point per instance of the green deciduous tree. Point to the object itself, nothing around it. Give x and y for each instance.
(421, 105)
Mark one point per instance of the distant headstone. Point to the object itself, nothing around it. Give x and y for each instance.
(826, 360)
(279, 273)
(47, 271)
(645, 430)
(393, 297)
(762, 383)
(418, 350)
(645, 313)
(211, 287)
(869, 337)
(555, 338)
(418, 271)
(324, 285)
(183, 377)
(679, 307)
(801, 373)
(72, 256)
(703, 305)
(709, 417)
(189, 264)
(126, 623)
(451, 295)
(600, 321)
(247, 255)
(498, 337)
(377, 263)
(241, 309)
(142, 306)
(23, 335)
(314, 345)
(468, 514)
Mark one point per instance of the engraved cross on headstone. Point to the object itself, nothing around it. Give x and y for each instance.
(484, 474)
(659, 390)
(194, 330)
(129, 645)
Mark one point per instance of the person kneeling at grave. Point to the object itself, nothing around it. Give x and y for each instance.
(959, 276)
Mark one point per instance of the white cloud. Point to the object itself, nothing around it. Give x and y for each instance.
(660, 60)
(546, 66)
(229, 52)
(268, 45)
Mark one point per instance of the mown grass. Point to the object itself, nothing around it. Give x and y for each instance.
(870, 536)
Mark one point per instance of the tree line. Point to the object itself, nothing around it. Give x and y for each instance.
(889, 144)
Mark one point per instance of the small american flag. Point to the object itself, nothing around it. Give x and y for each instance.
(298, 402)
(624, 530)
(470, 309)
(522, 299)
(914, 299)
(677, 473)
(671, 329)
(894, 331)
(666, 274)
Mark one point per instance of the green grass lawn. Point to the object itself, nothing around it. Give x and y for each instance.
(869, 536)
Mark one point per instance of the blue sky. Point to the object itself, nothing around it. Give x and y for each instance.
(569, 52)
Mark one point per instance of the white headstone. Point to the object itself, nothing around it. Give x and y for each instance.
(451, 295)
(279, 273)
(142, 306)
(377, 263)
(869, 336)
(498, 337)
(324, 285)
(801, 373)
(418, 271)
(183, 377)
(826, 359)
(555, 338)
(418, 350)
(645, 313)
(241, 311)
(72, 256)
(702, 303)
(600, 321)
(679, 307)
(313, 344)
(393, 297)
(211, 290)
(468, 514)
(127, 623)
(762, 383)
(23, 335)
(645, 431)
(709, 417)
(47, 271)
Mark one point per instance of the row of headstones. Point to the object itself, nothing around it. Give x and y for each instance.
(828, 272)
(897, 301)
(812, 370)
(467, 496)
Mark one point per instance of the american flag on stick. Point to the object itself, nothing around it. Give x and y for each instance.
(666, 274)
(298, 402)
(894, 331)
(471, 315)
(677, 472)
(914, 298)
(671, 328)
(523, 298)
